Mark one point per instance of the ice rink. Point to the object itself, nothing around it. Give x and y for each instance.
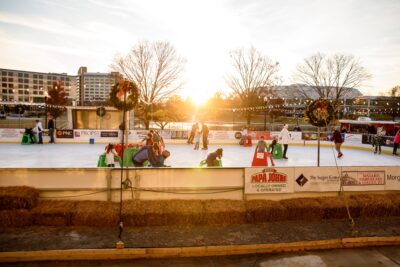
(80, 155)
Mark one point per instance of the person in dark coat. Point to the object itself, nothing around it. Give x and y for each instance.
(212, 158)
(150, 154)
(338, 140)
(50, 126)
(205, 132)
(192, 133)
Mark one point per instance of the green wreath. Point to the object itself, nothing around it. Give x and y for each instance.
(320, 112)
(117, 95)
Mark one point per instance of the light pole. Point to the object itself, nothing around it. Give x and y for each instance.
(233, 119)
(265, 112)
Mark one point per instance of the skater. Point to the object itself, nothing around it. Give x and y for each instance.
(396, 142)
(205, 131)
(197, 137)
(50, 126)
(110, 153)
(192, 133)
(273, 143)
(150, 154)
(377, 139)
(39, 130)
(261, 145)
(337, 139)
(148, 139)
(31, 134)
(213, 159)
(285, 137)
(243, 137)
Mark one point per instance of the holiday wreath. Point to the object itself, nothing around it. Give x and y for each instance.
(120, 91)
(320, 112)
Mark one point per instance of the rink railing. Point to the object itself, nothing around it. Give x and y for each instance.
(201, 183)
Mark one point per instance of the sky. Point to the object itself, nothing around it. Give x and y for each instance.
(62, 35)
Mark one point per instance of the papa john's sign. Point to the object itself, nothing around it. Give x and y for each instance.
(268, 180)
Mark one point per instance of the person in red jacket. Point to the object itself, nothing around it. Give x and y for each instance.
(396, 142)
(338, 140)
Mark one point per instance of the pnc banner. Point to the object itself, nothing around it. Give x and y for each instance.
(268, 180)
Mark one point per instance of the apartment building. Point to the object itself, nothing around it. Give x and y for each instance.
(31, 87)
(94, 87)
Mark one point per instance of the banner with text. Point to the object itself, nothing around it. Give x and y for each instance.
(268, 180)
(314, 179)
(363, 178)
(392, 178)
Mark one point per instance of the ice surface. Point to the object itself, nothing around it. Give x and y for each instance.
(79, 155)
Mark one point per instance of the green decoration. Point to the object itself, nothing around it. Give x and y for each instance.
(320, 112)
(118, 93)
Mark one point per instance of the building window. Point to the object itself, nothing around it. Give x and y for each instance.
(35, 87)
(20, 80)
(11, 80)
(26, 80)
(40, 76)
(4, 73)
(10, 85)
(20, 92)
(4, 79)
(10, 74)
(4, 85)
(34, 76)
(4, 91)
(26, 86)
(26, 75)
(40, 82)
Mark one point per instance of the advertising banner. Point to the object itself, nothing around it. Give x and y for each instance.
(221, 135)
(109, 134)
(65, 133)
(86, 134)
(363, 178)
(257, 135)
(392, 178)
(13, 134)
(316, 179)
(294, 136)
(268, 180)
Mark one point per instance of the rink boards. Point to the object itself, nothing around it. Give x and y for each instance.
(203, 183)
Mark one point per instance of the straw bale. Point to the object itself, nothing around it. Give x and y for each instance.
(395, 198)
(302, 209)
(374, 205)
(18, 197)
(95, 213)
(133, 214)
(224, 211)
(15, 218)
(260, 211)
(53, 212)
(154, 211)
(335, 207)
(184, 212)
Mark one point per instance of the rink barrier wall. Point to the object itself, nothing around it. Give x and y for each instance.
(202, 183)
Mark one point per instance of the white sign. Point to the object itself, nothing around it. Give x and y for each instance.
(268, 180)
(363, 178)
(392, 178)
(317, 179)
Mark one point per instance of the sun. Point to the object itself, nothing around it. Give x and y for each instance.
(199, 97)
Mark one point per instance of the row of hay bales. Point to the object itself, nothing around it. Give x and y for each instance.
(22, 208)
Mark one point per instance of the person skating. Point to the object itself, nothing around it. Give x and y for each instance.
(396, 142)
(150, 154)
(338, 140)
(377, 139)
(192, 133)
(214, 157)
(284, 136)
(110, 153)
(205, 131)
(39, 130)
(50, 126)
(261, 145)
(197, 138)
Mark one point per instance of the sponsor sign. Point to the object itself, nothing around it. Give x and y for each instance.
(179, 134)
(109, 134)
(294, 136)
(257, 135)
(86, 133)
(268, 180)
(314, 179)
(10, 133)
(65, 133)
(363, 178)
(392, 178)
(221, 135)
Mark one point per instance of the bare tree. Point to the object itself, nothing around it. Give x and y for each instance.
(252, 72)
(331, 77)
(156, 68)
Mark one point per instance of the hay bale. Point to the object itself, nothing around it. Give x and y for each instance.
(18, 197)
(154, 212)
(95, 213)
(335, 207)
(53, 212)
(223, 211)
(184, 212)
(259, 211)
(374, 205)
(15, 218)
(133, 213)
(302, 209)
(395, 198)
